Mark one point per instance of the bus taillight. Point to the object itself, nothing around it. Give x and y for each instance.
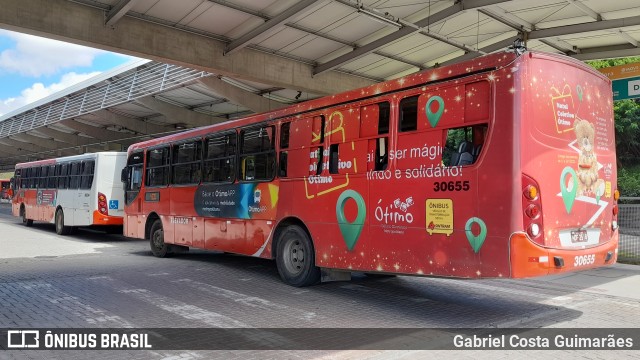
(102, 204)
(531, 209)
(614, 210)
(531, 192)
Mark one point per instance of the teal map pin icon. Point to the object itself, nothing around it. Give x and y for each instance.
(476, 241)
(351, 230)
(568, 196)
(431, 116)
(579, 91)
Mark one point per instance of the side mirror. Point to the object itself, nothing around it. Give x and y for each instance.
(124, 175)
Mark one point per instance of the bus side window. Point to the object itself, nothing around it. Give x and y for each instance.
(56, 176)
(257, 154)
(51, 180)
(63, 180)
(219, 163)
(42, 177)
(284, 144)
(381, 158)
(17, 179)
(282, 164)
(33, 179)
(186, 163)
(136, 177)
(86, 180)
(74, 182)
(158, 167)
(408, 114)
(463, 145)
(375, 121)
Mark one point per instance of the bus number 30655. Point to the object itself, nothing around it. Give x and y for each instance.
(584, 260)
(451, 186)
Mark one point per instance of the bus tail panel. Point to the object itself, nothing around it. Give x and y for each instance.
(568, 163)
(529, 260)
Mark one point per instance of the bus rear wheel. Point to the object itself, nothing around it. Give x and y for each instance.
(295, 257)
(61, 229)
(158, 246)
(26, 222)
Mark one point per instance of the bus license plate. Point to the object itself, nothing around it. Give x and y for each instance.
(579, 236)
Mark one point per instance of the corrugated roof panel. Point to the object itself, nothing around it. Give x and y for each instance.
(171, 10)
(221, 20)
(187, 96)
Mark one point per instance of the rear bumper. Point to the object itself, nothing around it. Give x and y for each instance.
(99, 219)
(529, 259)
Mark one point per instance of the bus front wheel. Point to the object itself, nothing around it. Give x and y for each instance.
(61, 229)
(158, 246)
(295, 257)
(25, 221)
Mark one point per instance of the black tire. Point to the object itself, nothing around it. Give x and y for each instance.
(26, 222)
(156, 240)
(61, 229)
(295, 257)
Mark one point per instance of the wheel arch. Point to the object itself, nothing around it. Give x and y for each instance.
(288, 221)
(147, 227)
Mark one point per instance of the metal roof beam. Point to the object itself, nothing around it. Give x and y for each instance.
(179, 114)
(208, 103)
(118, 11)
(267, 28)
(488, 49)
(136, 125)
(12, 150)
(455, 9)
(239, 96)
(561, 46)
(508, 19)
(99, 133)
(40, 141)
(607, 52)
(21, 145)
(584, 27)
(627, 37)
(585, 9)
(71, 139)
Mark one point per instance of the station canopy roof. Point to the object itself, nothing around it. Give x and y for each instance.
(367, 40)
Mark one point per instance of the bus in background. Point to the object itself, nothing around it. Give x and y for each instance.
(5, 189)
(501, 166)
(81, 190)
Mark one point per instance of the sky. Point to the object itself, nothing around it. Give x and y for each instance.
(32, 67)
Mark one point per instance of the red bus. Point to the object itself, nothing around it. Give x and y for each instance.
(72, 191)
(501, 166)
(5, 189)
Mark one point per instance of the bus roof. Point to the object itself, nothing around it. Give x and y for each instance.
(430, 76)
(68, 158)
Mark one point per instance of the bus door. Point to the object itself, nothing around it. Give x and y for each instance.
(47, 193)
(215, 198)
(84, 212)
(185, 176)
(132, 180)
(80, 207)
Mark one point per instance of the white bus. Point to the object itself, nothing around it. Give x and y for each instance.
(72, 191)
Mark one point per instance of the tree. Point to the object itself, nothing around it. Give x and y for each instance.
(627, 118)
